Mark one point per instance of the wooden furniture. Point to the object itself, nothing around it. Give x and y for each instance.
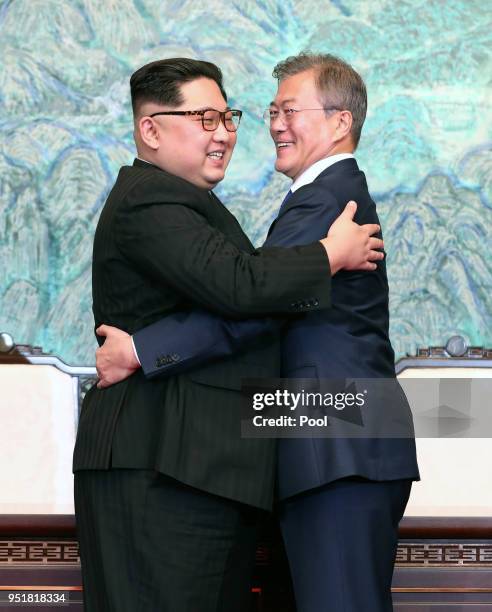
(443, 563)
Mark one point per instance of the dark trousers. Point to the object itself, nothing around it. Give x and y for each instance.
(151, 544)
(341, 542)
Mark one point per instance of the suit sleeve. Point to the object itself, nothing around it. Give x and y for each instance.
(175, 245)
(199, 336)
(194, 338)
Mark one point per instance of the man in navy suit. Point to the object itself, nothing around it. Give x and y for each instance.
(342, 497)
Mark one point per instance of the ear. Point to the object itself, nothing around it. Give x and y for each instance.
(344, 125)
(149, 132)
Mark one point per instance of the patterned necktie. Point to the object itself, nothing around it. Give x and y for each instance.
(284, 202)
(282, 206)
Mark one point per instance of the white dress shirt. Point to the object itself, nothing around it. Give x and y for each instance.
(317, 168)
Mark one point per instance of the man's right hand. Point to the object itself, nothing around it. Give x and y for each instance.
(115, 359)
(350, 246)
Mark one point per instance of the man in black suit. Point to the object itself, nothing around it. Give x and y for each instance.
(167, 494)
(343, 496)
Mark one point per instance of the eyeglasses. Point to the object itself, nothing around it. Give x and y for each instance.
(211, 118)
(287, 114)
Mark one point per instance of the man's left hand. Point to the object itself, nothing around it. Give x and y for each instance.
(115, 359)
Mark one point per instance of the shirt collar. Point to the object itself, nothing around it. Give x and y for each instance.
(317, 168)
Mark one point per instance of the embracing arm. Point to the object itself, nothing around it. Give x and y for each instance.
(183, 340)
(174, 245)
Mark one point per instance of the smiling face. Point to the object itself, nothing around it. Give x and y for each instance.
(305, 137)
(179, 144)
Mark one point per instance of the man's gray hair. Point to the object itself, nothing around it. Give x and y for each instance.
(338, 84)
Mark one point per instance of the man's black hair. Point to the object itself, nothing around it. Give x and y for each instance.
(161, 81)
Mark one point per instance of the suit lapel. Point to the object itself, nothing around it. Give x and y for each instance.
(216, 213)
(229, 225)
(335, 172)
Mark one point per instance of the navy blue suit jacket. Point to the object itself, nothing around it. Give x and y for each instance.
(350, 340)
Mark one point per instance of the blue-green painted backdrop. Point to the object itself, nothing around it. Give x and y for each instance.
(65, 129)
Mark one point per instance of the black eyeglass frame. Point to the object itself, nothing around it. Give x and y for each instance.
(222, 117)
